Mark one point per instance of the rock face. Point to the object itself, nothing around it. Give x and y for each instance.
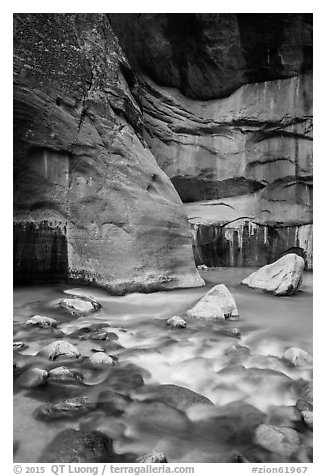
(218, 303)
(235, 137)
(208, 55)
(91, 204)
(281, 278)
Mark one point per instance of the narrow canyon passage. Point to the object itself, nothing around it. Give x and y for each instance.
(159, 160)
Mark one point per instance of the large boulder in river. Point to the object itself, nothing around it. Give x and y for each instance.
(218, 303)
(73, 446)
(282, 278)
(91, 203)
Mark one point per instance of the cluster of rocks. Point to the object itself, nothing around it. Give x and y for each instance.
(281, 278)
(277, 433)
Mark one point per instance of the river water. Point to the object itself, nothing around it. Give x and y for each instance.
(244, 376)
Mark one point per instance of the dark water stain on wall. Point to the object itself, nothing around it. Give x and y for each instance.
(248, 245)
(40, 252)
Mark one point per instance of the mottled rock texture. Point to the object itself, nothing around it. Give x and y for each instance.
(227, 101)
(90, 202)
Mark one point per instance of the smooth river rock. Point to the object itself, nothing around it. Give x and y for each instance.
(175, 395)
(65, 374)
(100, 359)
(33, 377)
(298, 357)
(282, 278)
(79, 306)
(66, 409)
(41, 321)
(218, 303)
(59, 348)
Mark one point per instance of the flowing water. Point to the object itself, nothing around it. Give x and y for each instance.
(244, 376)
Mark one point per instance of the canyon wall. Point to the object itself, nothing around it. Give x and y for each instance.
(227, 104)
(91, 203)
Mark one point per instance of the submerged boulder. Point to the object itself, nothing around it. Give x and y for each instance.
(174, 395)
(69, 408)
(73, 446)
(59, 348)
(282, 278)
(33, 377)
(278, 439)
(218, 303)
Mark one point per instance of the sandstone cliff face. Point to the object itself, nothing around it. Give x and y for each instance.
(210, 55)
(90, 201)
(236, 136)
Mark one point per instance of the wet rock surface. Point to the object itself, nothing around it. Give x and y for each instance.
(42, 321)
(73, 446)
(282, 440)
(175, 395)
(79, 306)
(152, 457)
(176, 321)
(32, 378)
(281, 278)
(66, 374)
(67, 409)
(101, 358)
(59, 348)
(218, 303)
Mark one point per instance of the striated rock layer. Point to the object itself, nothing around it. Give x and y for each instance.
(235, 135)
(243, 162)
(90, 201)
